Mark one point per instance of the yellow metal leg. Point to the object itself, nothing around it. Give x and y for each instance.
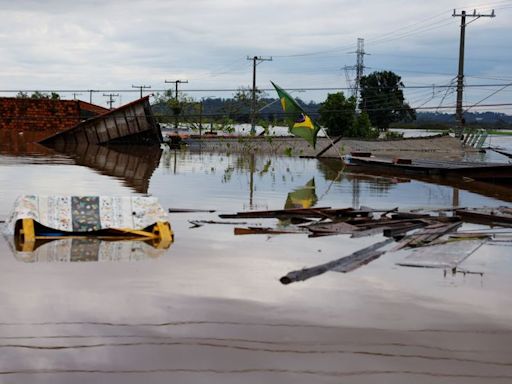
(27, 235)
(164, 236)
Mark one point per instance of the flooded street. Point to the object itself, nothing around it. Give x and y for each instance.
(211, 308)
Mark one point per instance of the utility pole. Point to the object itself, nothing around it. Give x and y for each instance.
(460, 76)
(90, 95)
(75, 94)
(176, 82)
(200, 117)
(255, 61)
(111, 100)
(141, 87)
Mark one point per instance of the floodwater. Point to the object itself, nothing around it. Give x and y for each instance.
(211, 309)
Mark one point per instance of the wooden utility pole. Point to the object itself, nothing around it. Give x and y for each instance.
(459, 114)
(255, 61)
(90, 95)
(111, 100)
(176, 82)
(141, 87)
(200, 117)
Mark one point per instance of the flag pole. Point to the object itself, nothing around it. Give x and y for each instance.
(333, 143)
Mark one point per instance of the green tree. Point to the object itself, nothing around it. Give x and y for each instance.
(39, 95)
(383, 99)
(337, 114)
(362, 127)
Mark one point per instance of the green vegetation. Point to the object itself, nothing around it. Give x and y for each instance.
(38, 95)
(499, 132)
(383, 99)
(390, 135)
(362, 127)
(338, 115)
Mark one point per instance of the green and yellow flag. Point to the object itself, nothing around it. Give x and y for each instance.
(299, 123)
(304, 197)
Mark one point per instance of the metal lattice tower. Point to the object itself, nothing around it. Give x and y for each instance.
(359, 65)
(359, 68)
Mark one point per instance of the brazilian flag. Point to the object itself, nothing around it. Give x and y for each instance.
(299, 123)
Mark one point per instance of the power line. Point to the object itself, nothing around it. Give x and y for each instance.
(237, 89)
(487, 97)
(141, 87)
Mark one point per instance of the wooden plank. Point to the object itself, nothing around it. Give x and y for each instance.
(200, 223)
(331, 144)
(337, 228)
(309, 212)
(427, 235)
(489, 216)
(101, 130)
(402, 229)
(111, 128)
(90, 132)
(189, 210)
(263, 231)
(345, 264)
(140, 114)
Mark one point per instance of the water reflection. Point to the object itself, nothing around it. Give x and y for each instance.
(20, 143)
(88, 249)
(131, 163)
(304, 197)
(382, 181)
(335, 170)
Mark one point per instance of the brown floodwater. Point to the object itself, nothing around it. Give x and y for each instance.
(211, 308)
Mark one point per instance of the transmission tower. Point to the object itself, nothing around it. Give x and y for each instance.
(359, 68)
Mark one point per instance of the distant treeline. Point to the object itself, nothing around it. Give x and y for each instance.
(239, 111)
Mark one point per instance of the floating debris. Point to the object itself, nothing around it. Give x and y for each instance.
(200, 223)
(428, 234)
(345, 264)
(36, 220)
(448, 255)
(501, 216)
(189, 210)
(264, 231)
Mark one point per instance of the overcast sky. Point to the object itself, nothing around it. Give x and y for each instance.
(62, 44)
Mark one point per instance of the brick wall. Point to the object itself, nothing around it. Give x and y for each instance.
(42, 117)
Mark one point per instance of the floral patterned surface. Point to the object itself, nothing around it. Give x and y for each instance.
(87, 213)
(87, 250)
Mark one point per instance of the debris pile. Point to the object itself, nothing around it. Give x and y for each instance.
(427, 238)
